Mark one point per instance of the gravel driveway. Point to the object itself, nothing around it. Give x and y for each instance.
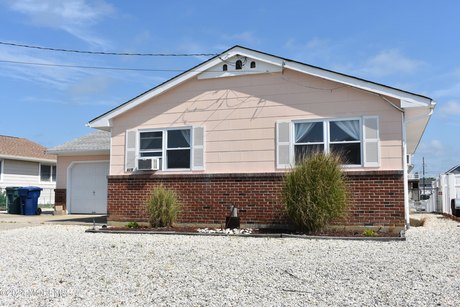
(62, 265)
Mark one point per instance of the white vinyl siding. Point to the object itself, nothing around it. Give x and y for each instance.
(21, 172)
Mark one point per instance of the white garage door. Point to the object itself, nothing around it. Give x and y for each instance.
(88, 188)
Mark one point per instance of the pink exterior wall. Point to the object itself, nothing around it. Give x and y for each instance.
(63, 163)
(239, 115)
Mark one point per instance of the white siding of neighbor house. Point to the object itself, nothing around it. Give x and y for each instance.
(239, 116)
(26, 173)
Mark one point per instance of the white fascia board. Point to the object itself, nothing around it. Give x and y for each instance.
(410, 100)
(29, 159)
(105, 121)
(80, 153)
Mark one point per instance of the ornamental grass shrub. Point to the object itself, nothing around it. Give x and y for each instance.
(162, 207)
(315, 192)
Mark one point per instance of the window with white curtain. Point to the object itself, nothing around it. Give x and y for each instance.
(337, 136)
(171, 145)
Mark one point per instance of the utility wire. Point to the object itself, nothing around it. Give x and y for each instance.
(110, 68)
(108, 53)
(89, 67)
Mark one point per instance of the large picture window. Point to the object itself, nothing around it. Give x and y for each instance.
(171, 146)
(332, 136)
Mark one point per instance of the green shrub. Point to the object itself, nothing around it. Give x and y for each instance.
(369, 233)
(315, 193)
(162, 207)
(132, 225)
(2, 199)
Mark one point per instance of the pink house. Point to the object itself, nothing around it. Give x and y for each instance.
(224, 132)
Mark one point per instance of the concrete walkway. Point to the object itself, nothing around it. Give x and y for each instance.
(12, 221)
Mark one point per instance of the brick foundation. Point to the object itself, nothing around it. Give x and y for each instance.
(60, 198)
(377, 197)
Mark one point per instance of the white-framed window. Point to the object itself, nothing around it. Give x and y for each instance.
(1, 169)
(331, 136)
(355, 139)
(171, 146)
(47, 173)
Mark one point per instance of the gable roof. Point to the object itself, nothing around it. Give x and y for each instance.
(454, 170)
(417, 108)
(23, 149)
(97, 142)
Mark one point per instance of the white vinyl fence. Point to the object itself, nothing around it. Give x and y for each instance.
(447, 187)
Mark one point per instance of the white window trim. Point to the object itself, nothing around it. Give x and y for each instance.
(2, 163)
(164, 147)
(51, 172)
(326, 137)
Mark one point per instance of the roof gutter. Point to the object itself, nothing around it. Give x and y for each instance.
(29, 159)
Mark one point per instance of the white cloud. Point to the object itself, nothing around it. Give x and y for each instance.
(54, 76)
(450, 108)
(389, 62)
(73, 16)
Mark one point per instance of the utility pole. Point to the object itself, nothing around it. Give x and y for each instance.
(423, 174)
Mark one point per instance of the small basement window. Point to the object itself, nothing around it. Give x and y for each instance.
(224, 67)
(253, 64)
(238, 65)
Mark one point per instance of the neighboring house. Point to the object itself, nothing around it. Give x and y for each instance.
(454, 170)
(82, 173)
(446, 189)
(25, 163)
(223, 133)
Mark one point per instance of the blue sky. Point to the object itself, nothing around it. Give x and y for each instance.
(412, 45)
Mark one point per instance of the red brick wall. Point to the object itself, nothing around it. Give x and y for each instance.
(377, 197)
(60, 198)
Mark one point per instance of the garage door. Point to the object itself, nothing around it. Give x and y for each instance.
(88, 188)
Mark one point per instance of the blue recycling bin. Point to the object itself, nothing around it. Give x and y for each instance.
(29, 200)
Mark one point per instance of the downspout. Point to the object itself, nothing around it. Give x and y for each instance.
(405, 175)
(404, 158)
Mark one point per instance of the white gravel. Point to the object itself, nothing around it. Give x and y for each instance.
(62, 265)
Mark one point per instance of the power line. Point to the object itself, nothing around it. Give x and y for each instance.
(108, 53)
(114, 68)
(90, 67)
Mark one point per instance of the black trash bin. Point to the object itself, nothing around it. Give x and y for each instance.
(13, 201)
(29, 200)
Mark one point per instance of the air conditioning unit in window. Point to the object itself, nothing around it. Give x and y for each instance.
(148, 164)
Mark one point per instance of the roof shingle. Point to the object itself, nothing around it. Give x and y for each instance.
(97, 141)
(11, 146)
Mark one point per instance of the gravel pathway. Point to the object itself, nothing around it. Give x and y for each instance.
(62, 265)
